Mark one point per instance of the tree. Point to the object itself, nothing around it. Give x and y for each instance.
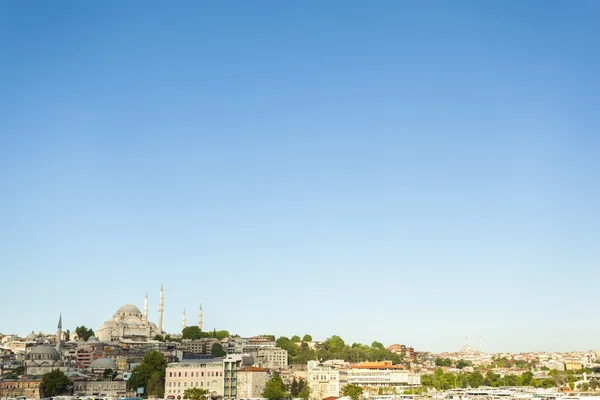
(54, 383)
(109, 374)
(150, 374)
(222, 334)
(304, 389)
(193, 333)
(196, 394)
(275, 388)
(527, 377)
(353, 391)
(68, 335)
(15, 373)
(295, 339)
(217, 350)
(307, 338)
(462, 363)
(84, 333)
(294, 390)
(377, 345)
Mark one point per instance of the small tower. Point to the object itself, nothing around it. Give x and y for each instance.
(59, 333)
(161, 305)
(183, 322)
(200, 317)
(146, 307)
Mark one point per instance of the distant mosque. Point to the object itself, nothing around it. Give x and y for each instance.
(129, 324)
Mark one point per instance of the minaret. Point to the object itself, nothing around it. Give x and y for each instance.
(146, 307)
(161, 304)
(200, 317)
(59, 333)
(183, 322)
(480, 344)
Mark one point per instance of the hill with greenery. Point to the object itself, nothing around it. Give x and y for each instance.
(334, 348)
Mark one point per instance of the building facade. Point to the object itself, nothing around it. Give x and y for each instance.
(251, 382)
(100, 388)
(230, 367)
(207, 374)
(269, 357)
(325, 380)
(381, 374)
(25, 386)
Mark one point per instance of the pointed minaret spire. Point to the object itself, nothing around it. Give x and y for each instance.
(146, 307)
(59, 333)
(183, 321)
(200, 317)
(161, 304)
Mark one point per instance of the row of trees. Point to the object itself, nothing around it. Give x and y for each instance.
(334, 348)
(194, 333)
(441, 380)
(446, 362)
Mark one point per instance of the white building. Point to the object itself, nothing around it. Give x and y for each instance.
(325, 381)
(381, 373)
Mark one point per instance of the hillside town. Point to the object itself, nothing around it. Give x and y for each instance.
(130, 356)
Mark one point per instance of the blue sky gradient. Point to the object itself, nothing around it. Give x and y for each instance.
(408, 172)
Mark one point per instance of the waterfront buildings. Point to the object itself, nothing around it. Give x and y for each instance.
(100, 388)
(381, 374)
(28, 387)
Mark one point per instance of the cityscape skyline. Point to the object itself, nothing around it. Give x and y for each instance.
(394, 171)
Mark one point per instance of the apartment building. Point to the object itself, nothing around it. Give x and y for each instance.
(268, 357)
(206, 374)
(231, 364)
(325, 380)
(381, 374)
(200, 346)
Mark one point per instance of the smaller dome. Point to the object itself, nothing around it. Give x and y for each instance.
(45, 349)
(92, 339)
(32, 337)
(103, 363)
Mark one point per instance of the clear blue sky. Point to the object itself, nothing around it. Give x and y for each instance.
(408, 172)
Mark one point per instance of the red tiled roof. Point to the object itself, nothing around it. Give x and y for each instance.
(252, 369)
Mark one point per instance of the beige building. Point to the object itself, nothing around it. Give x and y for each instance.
(100, 388)
(202, 374)
(269, 357)
(25, 386)
(325, 380)
(251, 382)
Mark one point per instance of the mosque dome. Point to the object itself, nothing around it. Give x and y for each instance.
(44, 351)
(129, 309)
(32, 337)
(103, 363)
(92, 339)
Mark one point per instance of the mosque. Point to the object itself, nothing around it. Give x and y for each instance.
(129, 323)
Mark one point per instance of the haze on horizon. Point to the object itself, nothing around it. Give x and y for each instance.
(406, 172)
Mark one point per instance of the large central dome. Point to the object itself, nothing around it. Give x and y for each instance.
(129, 309)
